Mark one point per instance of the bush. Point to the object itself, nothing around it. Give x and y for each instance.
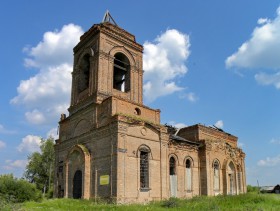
(49, 194)
(17, 190)
(171, 203)
(252, 189)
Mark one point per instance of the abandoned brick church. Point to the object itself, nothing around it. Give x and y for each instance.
(112, 146)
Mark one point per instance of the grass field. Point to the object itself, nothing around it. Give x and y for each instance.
(251, 201)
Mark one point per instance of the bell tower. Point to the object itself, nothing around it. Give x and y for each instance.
(106, 115)
(107, 62)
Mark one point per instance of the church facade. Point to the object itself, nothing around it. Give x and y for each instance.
(112, 146)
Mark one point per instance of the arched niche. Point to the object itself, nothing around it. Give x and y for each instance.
(216, 166)
(78, 172)
(188, 164)
(173, 183)
(230, 176)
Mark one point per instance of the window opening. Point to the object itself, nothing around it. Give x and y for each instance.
(144, 169)
(216, 176)
(231, 179)
(84, 76)
(121, 73)
(172, 166)
(173, 177)
(188, 175)
(137, 111)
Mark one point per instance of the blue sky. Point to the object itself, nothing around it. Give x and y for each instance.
(209, 62)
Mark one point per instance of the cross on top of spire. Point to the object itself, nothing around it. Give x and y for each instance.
(108, 18)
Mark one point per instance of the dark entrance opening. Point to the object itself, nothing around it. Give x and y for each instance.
(77, 185)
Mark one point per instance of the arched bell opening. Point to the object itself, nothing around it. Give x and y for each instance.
(121, 73)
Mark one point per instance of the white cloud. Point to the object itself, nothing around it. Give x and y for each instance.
(263, 21)
(55, 48)
(10, 165)
(53, 133)
(30, 143)
(219, 124)
(178, 125)
(47, 94)
(164, 61)
(262, 50)
(2, 144)
(274, 161)
(35, 117)
(190, 96)
(268, 79)
(275, 141)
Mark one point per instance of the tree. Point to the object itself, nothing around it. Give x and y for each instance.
(17, 190)
(40, 167)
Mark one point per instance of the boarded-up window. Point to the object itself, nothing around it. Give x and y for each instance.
(188, 180)
(144, 169)
(216, 167)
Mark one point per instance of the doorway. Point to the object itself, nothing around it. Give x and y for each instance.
(77, 185)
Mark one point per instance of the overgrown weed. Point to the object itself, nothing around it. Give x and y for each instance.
(251, 201)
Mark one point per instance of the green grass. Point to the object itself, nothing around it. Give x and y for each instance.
(250, 201)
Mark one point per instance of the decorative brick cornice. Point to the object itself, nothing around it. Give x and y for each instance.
(112, 31)
(219, 146)
(120, 34)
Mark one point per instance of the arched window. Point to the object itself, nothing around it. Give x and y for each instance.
(231, 179)
(84, 73)
(137, 111)
(188, 179)
(172, 166)
(144, 168)
(216, 168)
(173, 177)
(121, 73)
